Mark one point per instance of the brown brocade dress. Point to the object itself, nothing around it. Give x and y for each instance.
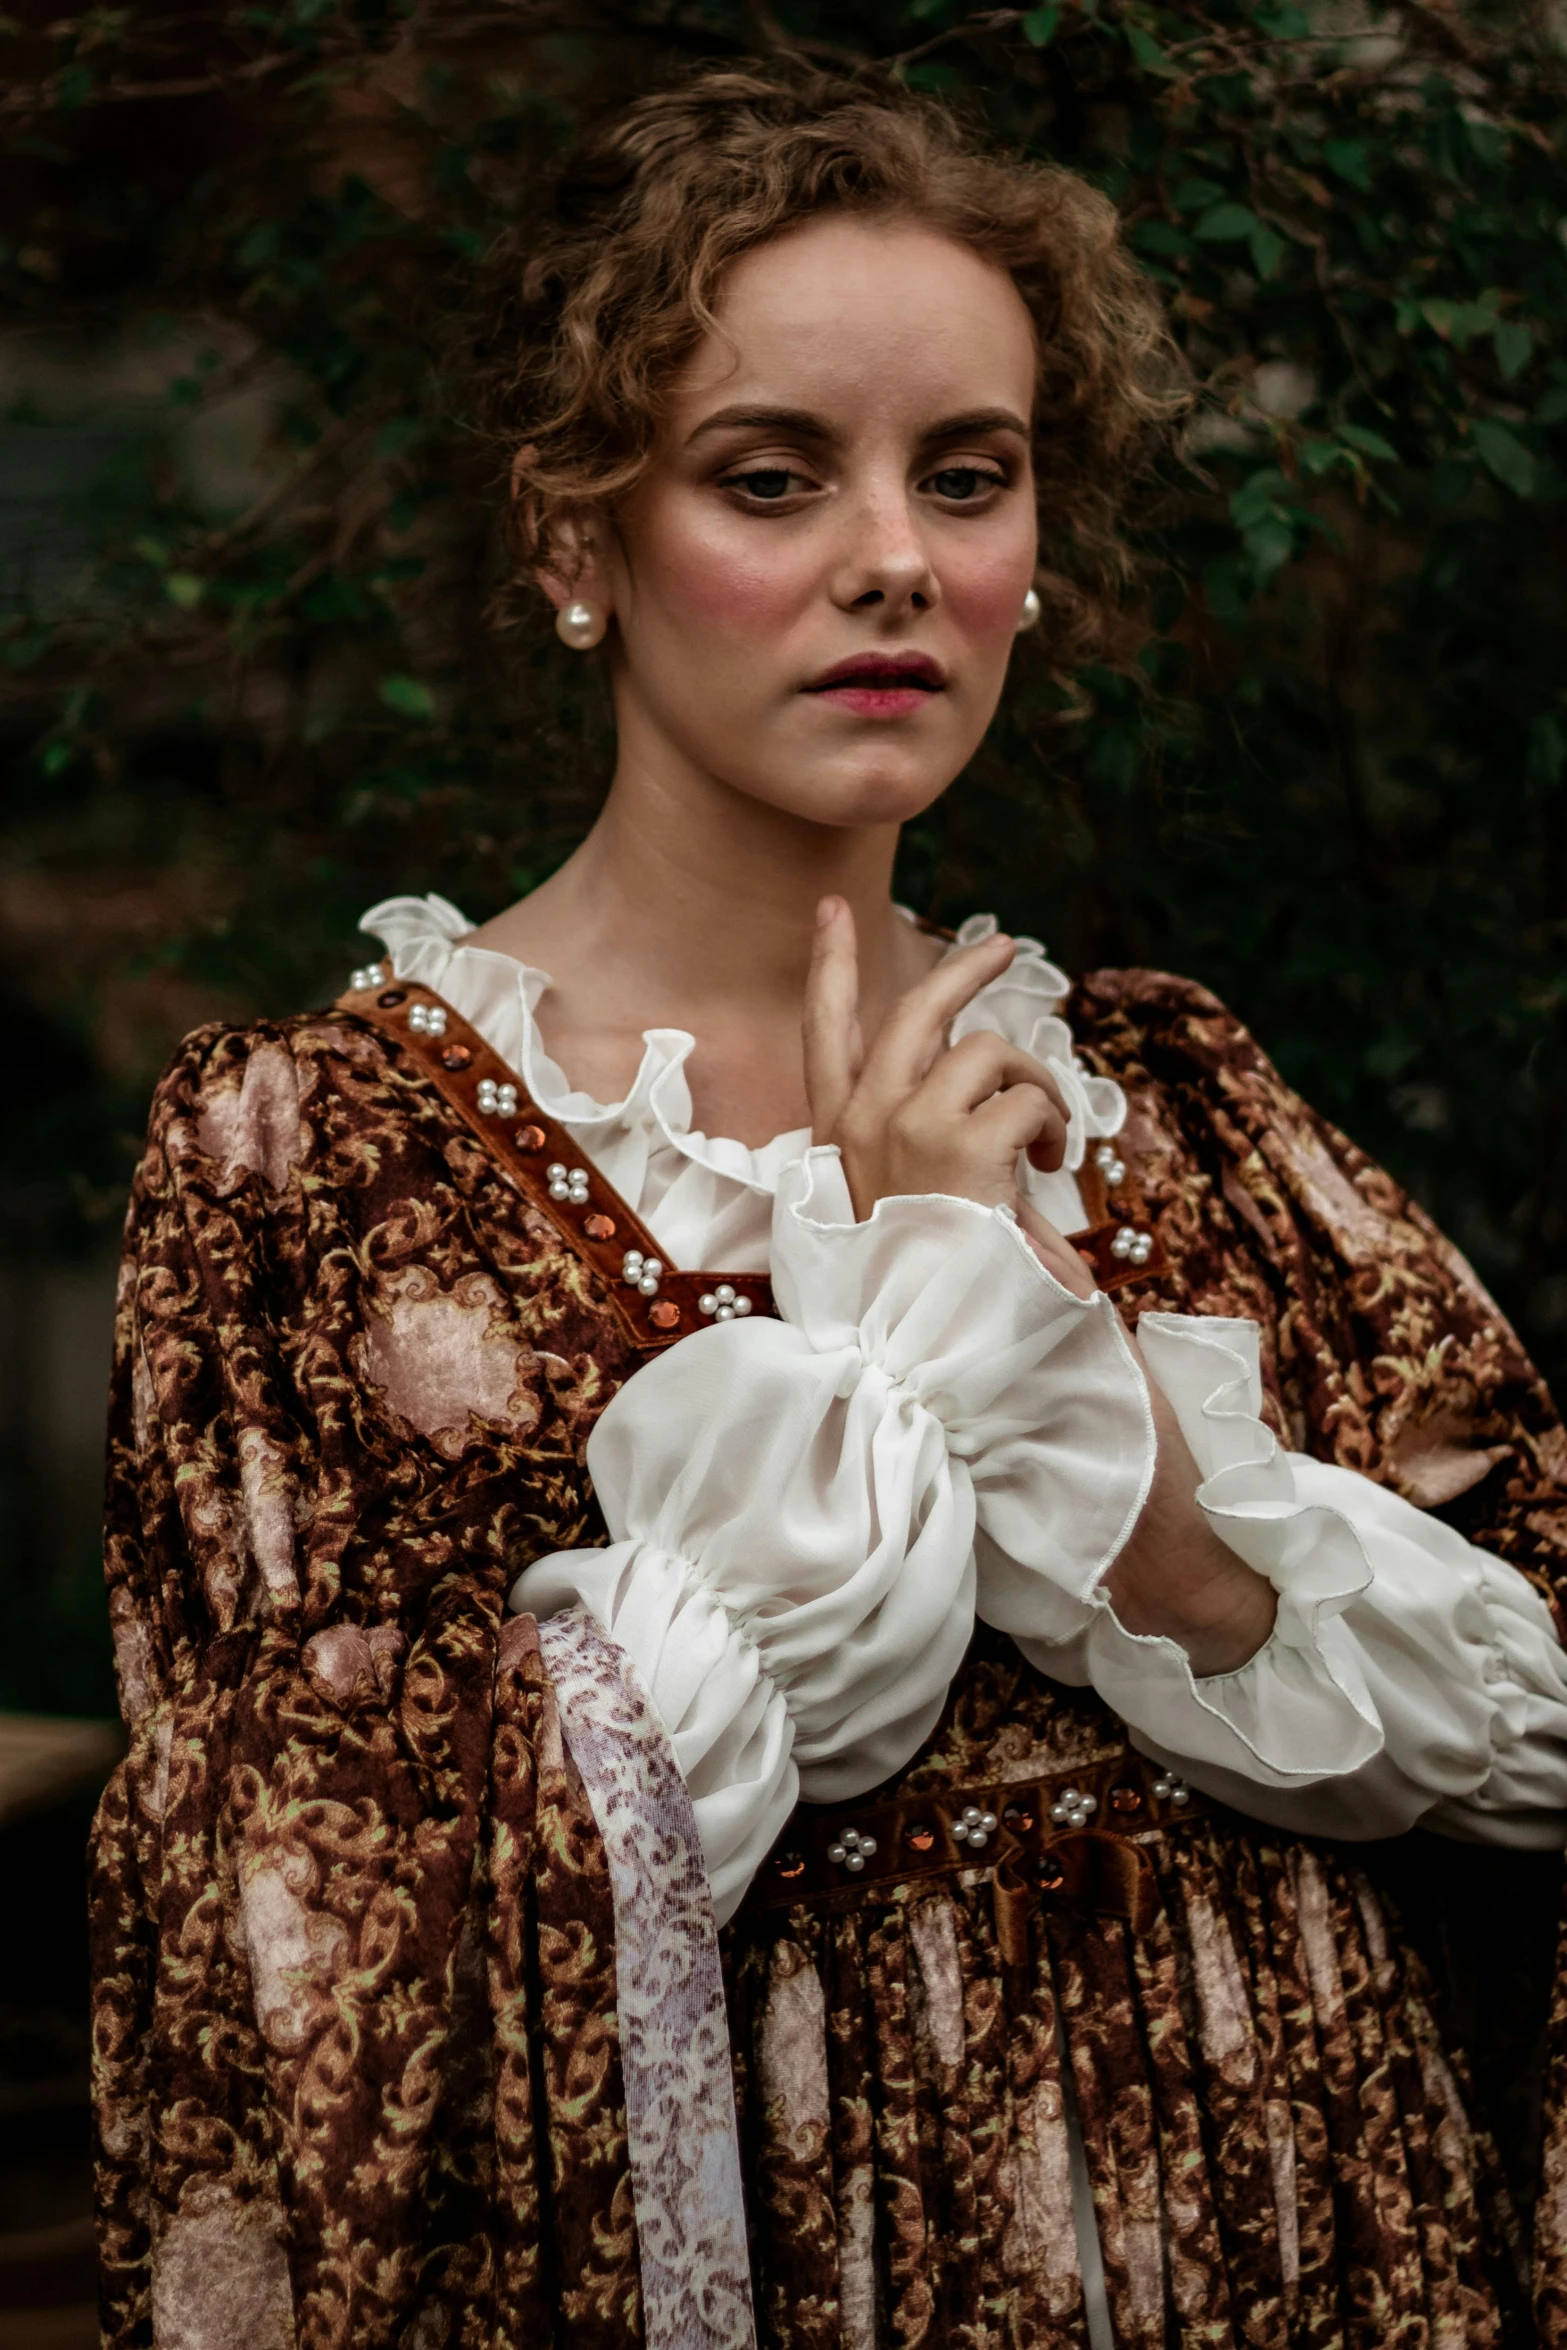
(407, 2126)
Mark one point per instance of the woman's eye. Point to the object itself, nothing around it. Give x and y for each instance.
(963, 482)
(768, 482)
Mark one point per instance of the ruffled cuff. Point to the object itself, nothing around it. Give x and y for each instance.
(727, 1721)
(1036, 1389)
(1300, 1710)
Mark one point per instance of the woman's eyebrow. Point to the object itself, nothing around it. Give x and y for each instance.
(798, 421)
(977, 420)
(805, 426)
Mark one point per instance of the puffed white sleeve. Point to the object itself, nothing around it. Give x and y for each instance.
(791, 1503)
(1409, 1674)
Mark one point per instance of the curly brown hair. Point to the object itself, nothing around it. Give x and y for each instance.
(586, 313)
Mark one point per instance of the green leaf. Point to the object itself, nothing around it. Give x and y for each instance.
(1347, 158)
(1451, 482)
(73, 88)
(1268, 249)
(1148, 53)
(185, 589)
(1319, 456)
(1195, 195)
(1514, 348)
(1039, 26)
(1505, 455)
(1227, 224)
(1270, 545)
(1283, 24)
(1489, 144)
(260, 245)
(397, 434)
(1157, 236)
(1552, 408)
(1258, 497)
(1547, 760)
(1370, 444)
(57, 756)
(408, 696)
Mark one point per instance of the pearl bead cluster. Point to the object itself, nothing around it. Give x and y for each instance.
(497, 1101)
(1110, 1164)
(1074, 1809)
(1170, 1789)
(367, 975)
(853, 1852)
(1131, 1246)
(427, 1019)
(974, 1827)
(640, 1272)
(723, 1304)
(568, 1183)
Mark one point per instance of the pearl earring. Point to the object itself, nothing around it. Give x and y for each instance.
(581, 625)
(1031, 611)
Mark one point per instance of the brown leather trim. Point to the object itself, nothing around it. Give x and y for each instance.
(1089, 1856)
(596, 1224)
(601, 1228)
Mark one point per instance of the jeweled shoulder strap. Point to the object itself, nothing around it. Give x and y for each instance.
(1119, 1241)
(654, 1303)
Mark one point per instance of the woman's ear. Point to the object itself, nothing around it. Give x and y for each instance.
(572, 573)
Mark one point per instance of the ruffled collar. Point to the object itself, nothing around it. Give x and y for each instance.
(500, 995)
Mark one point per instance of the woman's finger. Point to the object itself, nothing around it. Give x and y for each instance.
(1022, 1118)
(981, 1065)
(915, 1030)
(1055, 1252)
(830, 1023)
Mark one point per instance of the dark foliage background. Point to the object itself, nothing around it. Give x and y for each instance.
(245, 551)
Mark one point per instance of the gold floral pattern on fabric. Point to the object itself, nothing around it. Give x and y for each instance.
(355, 1998)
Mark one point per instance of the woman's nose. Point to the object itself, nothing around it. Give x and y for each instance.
(885, 560)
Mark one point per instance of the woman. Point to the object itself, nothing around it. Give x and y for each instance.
(715, 1266)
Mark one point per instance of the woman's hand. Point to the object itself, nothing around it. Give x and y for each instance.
(915, 1114)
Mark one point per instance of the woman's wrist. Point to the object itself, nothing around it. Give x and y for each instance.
(1221, 1619)
(1176, 1579)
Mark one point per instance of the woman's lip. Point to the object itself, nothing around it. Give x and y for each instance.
(874, 700)
(891, 672)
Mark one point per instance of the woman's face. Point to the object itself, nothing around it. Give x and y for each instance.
(818, 582)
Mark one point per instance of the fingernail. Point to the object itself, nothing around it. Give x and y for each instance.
(825, 910)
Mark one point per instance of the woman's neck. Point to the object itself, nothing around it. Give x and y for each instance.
(695, 908)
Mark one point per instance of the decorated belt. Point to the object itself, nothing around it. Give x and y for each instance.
(1077, 1837)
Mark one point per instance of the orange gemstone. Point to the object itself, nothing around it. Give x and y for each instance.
(1018, 1815)
(456, 1056)
(530, 1138)
(599, 1227)
(1125, 1799)
(919, 1838)
(665, 1315)
(1052, 1876)
(790, 1864)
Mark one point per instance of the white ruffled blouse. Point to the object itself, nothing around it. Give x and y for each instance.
(807, 1514)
